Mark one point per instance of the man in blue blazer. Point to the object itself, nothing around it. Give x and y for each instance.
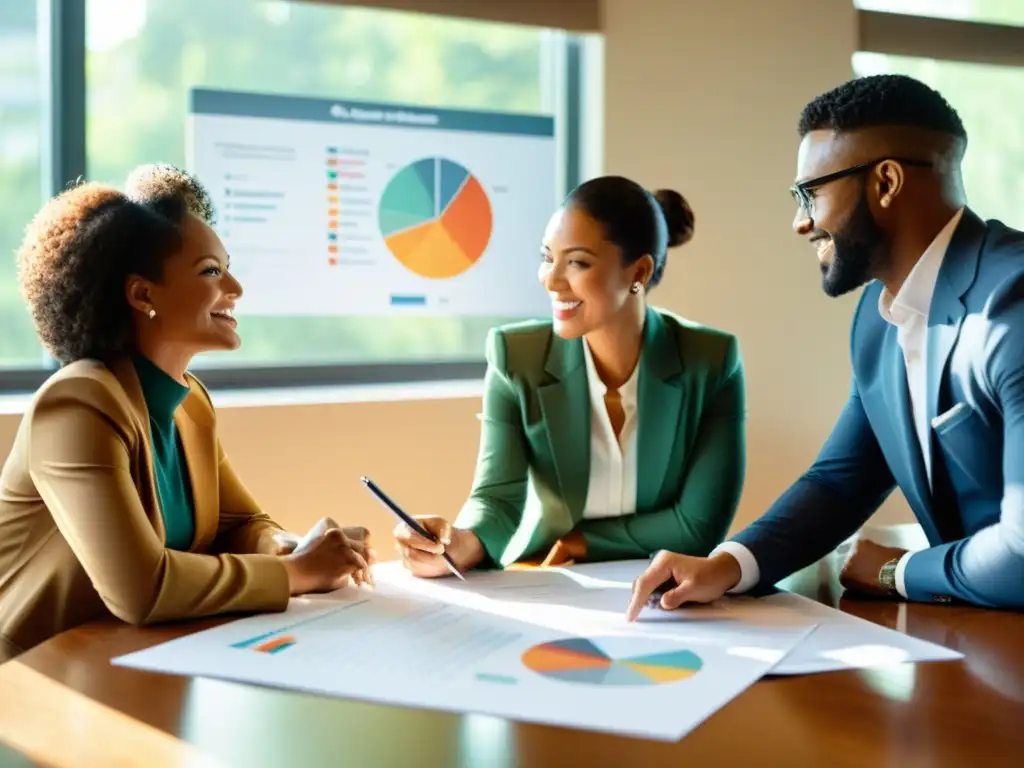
(936, 405)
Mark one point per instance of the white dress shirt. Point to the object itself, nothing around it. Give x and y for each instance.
(908, 311)
(612, 488)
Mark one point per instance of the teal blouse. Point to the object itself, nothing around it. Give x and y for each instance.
(163, 395)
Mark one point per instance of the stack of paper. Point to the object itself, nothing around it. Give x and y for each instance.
(548, 646)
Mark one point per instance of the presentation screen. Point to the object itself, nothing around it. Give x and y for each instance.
(336, 207)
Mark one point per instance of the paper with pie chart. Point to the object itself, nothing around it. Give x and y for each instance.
(404, 644)
(336, 207)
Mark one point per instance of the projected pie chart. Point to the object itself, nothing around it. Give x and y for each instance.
(596, 662)
(435, 218)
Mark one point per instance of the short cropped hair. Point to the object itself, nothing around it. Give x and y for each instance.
(83, 244)
(881, 100)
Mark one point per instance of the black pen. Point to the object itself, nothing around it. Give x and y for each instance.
(655, 599)
(401, 515)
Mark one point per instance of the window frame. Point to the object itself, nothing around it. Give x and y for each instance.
(926, 37)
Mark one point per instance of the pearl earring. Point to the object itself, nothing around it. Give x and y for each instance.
(635, 288)
(152, 314)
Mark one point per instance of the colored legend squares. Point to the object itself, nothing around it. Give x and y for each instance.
(333, 210)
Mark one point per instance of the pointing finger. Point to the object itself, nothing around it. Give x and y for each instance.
(643, 587)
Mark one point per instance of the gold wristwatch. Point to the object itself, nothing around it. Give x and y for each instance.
(887, 576)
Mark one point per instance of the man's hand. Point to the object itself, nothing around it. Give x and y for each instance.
(860, 571)
(693, 580)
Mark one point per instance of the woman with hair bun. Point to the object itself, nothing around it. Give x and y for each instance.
(614, 429)
(116, 497)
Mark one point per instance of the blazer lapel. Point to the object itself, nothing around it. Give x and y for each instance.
(947, 311)
(565, 405)
(198, 442)
(897, 396)
(124, 372)
(660, 401)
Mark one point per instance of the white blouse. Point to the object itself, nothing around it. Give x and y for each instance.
(612, 489)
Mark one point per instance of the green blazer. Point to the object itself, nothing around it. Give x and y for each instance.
(533, 468)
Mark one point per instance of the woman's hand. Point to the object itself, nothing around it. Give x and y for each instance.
(328, 561)
(423, 557)
(357, 536)
(285, 543)
(360, 539)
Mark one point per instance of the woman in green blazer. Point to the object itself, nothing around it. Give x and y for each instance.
(613, 430)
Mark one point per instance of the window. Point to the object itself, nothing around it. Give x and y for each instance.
(990, 101)
(143, 59)
(991, 11)
(979, 71)
(20, 172)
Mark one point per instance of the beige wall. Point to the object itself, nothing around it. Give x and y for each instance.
(704, 97)
(700, 96)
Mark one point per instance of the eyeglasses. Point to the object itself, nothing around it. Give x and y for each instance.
(801, 191)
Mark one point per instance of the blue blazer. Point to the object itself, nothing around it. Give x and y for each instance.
(973, 510)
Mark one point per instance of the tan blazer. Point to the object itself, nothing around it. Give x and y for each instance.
(81, 533)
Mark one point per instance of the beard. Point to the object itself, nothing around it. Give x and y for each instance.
(858, 249)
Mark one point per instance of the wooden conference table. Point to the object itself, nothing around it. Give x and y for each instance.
(64, 704)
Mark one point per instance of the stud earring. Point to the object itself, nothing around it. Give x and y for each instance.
(635, 288)
(152, 314)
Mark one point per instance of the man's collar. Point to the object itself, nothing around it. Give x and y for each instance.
(915, 295)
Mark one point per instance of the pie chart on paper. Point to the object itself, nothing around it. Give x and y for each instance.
(435, 218)
(603, 662)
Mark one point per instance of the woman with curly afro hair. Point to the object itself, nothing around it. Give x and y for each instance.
(117, 497)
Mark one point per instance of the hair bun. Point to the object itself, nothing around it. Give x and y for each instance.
(678, 216)
(159, 185)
